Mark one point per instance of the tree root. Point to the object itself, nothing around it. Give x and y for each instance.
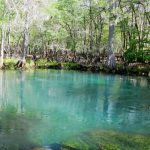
(20, 64)
(111, 63)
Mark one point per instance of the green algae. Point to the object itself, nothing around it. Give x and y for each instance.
(109, 140)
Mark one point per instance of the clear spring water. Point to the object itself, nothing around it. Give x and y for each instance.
(48, 106)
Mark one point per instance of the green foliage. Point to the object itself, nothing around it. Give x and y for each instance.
(137, 56)
(130, 55)
(44, 64)
(29, 64)
(136, 52)
(72, 66)
(9, 63)
(10, 109)
(41, 62)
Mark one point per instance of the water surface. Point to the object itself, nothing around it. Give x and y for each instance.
(49, 106)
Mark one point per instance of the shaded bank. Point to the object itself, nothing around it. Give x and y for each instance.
(141, 69)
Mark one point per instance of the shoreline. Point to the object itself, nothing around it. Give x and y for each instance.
(133, 69)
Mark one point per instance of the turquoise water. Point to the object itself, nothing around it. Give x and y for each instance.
(48, 106)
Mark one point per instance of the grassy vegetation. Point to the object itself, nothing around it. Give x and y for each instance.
(44, 64)
(29, 64)
(10, 64)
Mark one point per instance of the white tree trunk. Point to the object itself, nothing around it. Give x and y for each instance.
(8, 37)
(25, 44)
(2, 47)
(25, 39)
(2, 38)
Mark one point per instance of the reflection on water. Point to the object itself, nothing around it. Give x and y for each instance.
(43, 107)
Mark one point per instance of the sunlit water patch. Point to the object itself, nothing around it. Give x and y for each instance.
(39, 108)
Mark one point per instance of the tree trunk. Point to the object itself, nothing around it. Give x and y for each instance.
(90, 27)
(21, 63)
(2, 39)
(110, 54)
(100, 31)
(8, 38)
(85, 36)
(111, 57)
(25, 44)
(2, 47)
